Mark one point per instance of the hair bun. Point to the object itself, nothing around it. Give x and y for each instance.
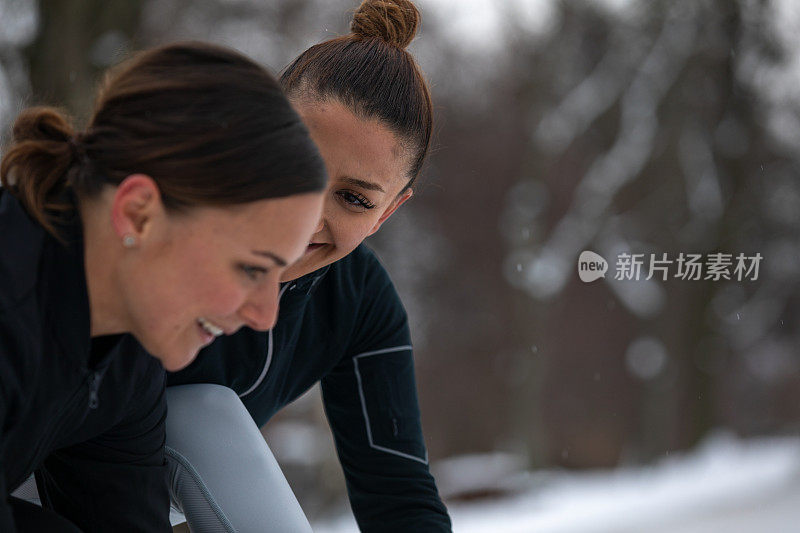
(394, 21)
(42, 124)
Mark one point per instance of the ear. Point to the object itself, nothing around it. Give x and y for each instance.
(136, 201)
(397, 202)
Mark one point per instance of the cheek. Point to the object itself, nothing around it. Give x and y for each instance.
(217, 293)
(350, 229)
(191, 285)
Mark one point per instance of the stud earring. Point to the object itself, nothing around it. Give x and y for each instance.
(128, 241)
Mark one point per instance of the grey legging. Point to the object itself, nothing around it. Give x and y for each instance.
(222, 475)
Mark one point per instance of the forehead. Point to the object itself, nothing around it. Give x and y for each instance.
(362, 148)
(272, 221)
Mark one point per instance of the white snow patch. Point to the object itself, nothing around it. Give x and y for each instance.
(743, 484)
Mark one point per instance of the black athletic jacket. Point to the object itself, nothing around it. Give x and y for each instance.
(344, 325)
(90, 421)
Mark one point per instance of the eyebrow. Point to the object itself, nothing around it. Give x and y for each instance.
(278, 260)
(369, 185)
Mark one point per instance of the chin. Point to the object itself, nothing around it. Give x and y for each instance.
(308, 265)
(296, 271)
(176, 360)
(172, 357)
(171, 366)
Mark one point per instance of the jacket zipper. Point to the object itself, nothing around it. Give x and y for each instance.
(57, 422)
(94, 384)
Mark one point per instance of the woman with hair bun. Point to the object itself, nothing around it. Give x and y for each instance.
(166, 223)
(368, 108)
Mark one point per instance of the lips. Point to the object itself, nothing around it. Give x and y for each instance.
(209, 327)
(314, 246)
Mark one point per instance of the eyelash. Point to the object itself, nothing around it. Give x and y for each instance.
(253, 273)
(360, 199)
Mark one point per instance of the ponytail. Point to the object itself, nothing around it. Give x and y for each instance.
(38, 166)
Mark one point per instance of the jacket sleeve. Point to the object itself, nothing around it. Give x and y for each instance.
(6, 518)
(116, 481)
(371, 403)
(10, 398)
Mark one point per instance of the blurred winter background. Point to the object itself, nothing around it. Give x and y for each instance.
(650, 126)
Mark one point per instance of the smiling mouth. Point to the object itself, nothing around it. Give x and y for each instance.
(210, 327)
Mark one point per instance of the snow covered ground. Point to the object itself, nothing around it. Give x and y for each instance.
(726, 484)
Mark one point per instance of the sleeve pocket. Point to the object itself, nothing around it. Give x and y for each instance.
(389, 402)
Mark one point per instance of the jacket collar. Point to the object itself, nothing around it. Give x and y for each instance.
(65, 292)
(305, 285)
(20, 251)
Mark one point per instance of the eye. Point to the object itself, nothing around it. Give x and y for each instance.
(254, 273)
(354, 200)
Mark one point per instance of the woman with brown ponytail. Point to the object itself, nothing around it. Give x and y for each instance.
(166, 223)
(369, 110)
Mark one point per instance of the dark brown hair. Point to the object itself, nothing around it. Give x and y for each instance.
(371, 73)
(210, 126)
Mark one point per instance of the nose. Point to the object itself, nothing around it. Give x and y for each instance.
(260, 311)
(320, 225)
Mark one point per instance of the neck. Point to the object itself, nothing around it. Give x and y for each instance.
(101, 255)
